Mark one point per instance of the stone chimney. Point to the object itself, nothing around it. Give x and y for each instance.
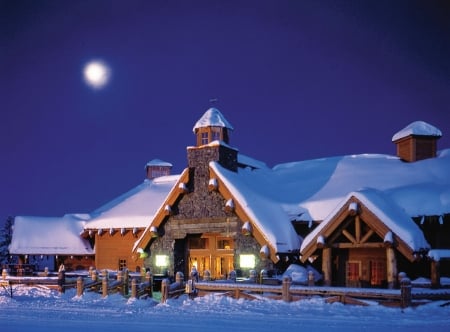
(156, 168)
(417, 141)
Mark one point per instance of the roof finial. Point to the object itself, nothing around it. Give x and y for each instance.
(213, 101)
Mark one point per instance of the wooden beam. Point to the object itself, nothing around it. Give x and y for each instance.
(367, 236)
(349, 236)
(357, 229)
(344, 245)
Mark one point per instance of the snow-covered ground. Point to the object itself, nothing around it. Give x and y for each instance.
(41, 309)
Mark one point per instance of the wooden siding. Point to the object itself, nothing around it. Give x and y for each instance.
(112, 248)
(414, 148)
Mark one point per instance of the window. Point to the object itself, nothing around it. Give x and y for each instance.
(247, 261)
(198, 243)
(224, 244)
(215, 136)
(204, 138)
(353, 272)
(377, 273)
(161, 260)
(122, 264)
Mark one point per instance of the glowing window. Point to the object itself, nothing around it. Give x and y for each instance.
(161, 260)
(247, 261)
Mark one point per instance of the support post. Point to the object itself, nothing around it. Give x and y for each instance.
(435, 274)
(285, 294)
(4, 274)
(326, 266)
(80, 286)
(391, 267)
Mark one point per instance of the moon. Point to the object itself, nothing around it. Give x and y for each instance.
(96, 74)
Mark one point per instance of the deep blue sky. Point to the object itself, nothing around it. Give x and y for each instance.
(297, 79)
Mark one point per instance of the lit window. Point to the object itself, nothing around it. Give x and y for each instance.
(377, 273)
(161, 260)
(224, 244)
(247, 261)
(353, 271)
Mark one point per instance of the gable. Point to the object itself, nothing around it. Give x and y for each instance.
(366, 220)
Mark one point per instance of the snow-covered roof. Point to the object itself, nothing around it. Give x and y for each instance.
(158, 162)
(390, 214)
(419, 188)
(419, 128)
(266, 213)
(136, 207)
(311, 190)
(212, 118)
(50, 235)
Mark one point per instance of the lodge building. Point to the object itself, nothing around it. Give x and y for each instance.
(229, 212)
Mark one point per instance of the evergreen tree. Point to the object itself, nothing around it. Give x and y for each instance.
(5, 240)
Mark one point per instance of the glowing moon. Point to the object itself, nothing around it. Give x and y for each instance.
(96, 74)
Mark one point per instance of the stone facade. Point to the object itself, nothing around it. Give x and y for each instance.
(202, 211)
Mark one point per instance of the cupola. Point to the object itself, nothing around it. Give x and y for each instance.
(212, 136)
(156, 168)
(212, 126)
(417, 141)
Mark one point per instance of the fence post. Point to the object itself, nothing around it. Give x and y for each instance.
(179, 279)
(61, 281)
(253, 276)
(105, 284)
(405, 291)
(285, 294)
(206, 275)
(125, 282)
(149, 281)
(46, 271)
(80, 286)
(4, 274)
(164, 290)
(133, 288)
(310, 278)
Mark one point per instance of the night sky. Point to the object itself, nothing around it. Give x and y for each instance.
(297, 79)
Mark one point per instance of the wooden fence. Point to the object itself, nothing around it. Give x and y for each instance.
(254, 289)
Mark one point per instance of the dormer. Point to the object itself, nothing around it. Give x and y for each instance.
(156, 168)
(417, 141)
(212, 126)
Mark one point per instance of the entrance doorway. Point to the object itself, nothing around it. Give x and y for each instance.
(211, 252)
